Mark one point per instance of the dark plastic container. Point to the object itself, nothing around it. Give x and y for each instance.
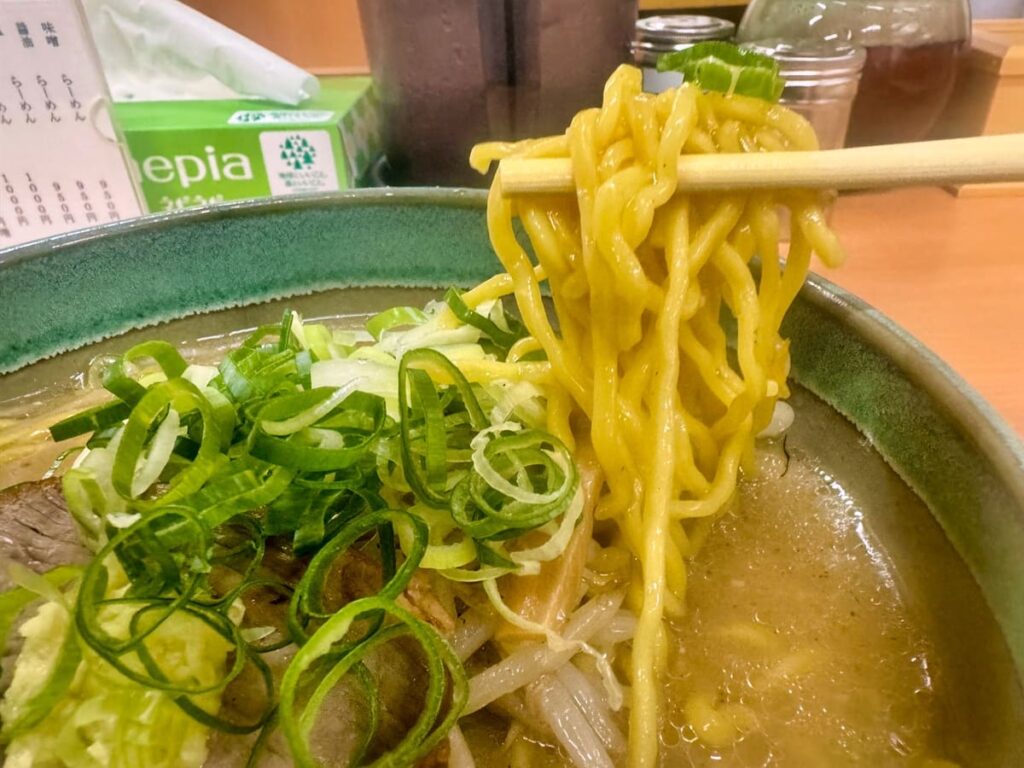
(455, 72)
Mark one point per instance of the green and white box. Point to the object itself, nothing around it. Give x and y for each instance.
(190, 153)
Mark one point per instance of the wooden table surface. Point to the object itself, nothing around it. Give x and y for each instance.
(951, 272)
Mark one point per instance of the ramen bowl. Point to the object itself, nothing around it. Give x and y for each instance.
(942, 475)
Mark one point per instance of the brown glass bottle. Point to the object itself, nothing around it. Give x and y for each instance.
(903, 90)
(912, 51)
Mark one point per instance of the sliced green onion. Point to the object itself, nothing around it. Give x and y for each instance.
(171, 538)
(87, 504)
(165, 355)
(394, 318)
(501, 337)
(716, 65)
(91, 420)
(189, 489)
(283, 332)
(350, 478)
(304, 367)
(319, 341)
(250, 372)
(487, 447)
(441, 661)
(490, 506)
(256, 753)
(424, 398)
(184, 398)
(250, 487)
(242, 540)
(420, 409)
(311, 415)
(226, 629)
(200, 375)
(369, 686)
(490, 556)
(558, 539)
(522, 399)
(308, 603)
(90, 496)
(307, 514)
(285, 337)
(117, 381)
(159, 453)
(327, 682)
(475, 575)
(362, 419)
(441, 553)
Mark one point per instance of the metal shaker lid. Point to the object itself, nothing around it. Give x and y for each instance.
(812, 59)
(662, 34)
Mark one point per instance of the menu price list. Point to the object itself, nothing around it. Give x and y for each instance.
(61, 206)
(60, 168)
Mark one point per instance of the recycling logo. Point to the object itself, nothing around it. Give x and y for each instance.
(298, 153)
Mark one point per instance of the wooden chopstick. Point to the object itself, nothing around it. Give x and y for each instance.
(952, 161)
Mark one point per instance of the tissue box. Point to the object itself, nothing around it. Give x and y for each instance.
(190, 153)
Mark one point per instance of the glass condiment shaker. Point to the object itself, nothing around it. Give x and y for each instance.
(912, 52)
(821, 82)
(656, 35)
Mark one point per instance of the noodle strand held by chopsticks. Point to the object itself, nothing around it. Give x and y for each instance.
(640, 277)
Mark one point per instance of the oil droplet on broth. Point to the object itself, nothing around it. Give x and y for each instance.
(797, 648)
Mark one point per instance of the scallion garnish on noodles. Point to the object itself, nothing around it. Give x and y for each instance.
(717, 65)
(503, 338)
(188, 474)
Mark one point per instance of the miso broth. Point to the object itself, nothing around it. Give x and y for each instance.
(798, 648)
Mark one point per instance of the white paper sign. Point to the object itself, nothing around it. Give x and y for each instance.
(60, 168)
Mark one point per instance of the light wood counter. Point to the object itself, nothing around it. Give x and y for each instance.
(951, 272)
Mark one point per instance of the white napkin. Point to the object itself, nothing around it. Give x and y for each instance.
(162, 49)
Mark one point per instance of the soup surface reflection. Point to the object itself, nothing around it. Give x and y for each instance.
(798, 648)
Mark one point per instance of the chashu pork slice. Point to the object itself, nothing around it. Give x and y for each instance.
(36, 529)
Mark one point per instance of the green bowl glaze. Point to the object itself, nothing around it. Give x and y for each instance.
(935, 433)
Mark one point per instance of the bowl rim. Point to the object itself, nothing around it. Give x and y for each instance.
(921, 365)
(460, 197)
(996, 439)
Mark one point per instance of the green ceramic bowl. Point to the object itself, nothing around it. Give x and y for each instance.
(929, 438)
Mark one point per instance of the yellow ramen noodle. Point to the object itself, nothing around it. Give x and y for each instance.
(641, 278)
